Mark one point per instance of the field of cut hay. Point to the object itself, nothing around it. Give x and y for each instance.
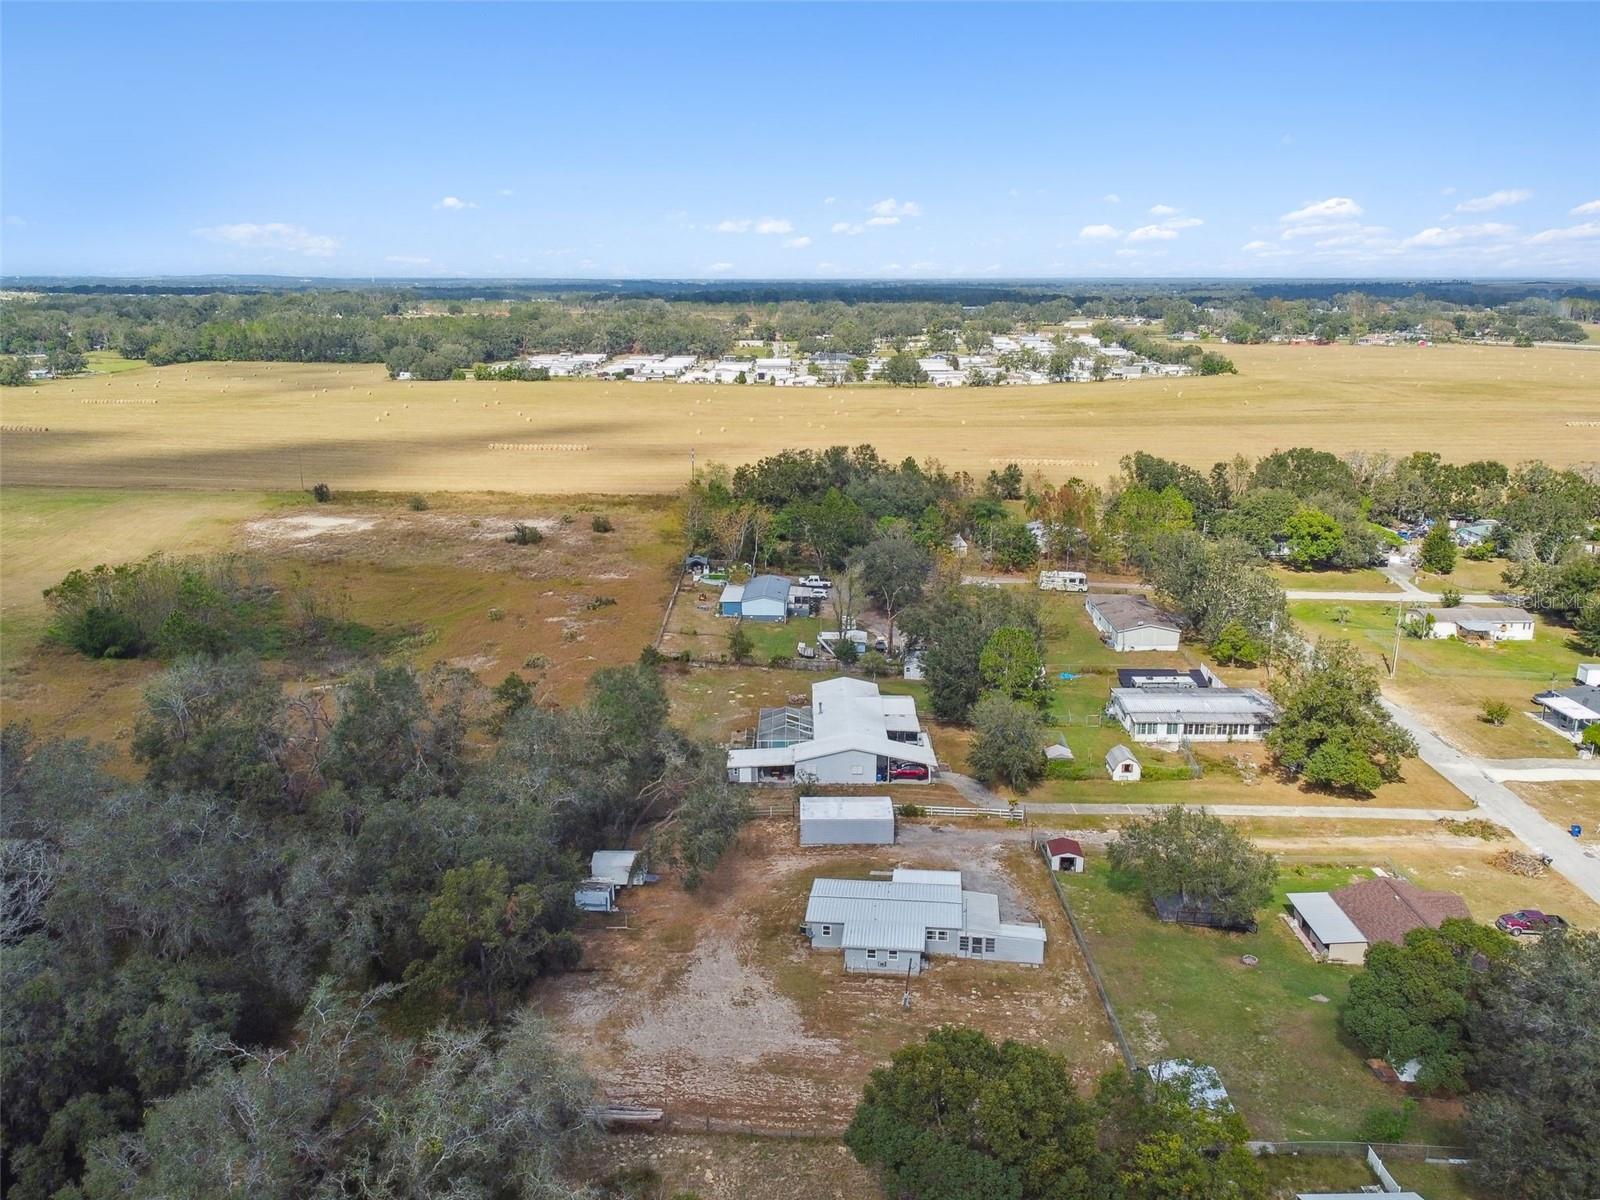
(270, 426)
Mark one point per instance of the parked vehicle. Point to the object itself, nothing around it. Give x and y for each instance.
(909, 771)
(1063, 581)
(1530, 922)
(815, 581)
(880, 645)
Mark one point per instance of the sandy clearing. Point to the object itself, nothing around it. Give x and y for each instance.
(306, 528)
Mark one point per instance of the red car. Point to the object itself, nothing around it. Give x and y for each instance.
(909, 771)
(1529, 921)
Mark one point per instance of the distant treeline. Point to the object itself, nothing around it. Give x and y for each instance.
(432, 338)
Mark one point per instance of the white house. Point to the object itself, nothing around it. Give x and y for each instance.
(1572, 710)
(609, 870)
(1128, 623)
(846, 821)
(894, 926)
(1492, 624)
(849, 734)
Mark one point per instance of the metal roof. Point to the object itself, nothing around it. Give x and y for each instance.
(1331, 924)
(1183, 704)
(767, 587)
(846, 808)
(1464, 614)
(732, 593)
(980, 912)
(1118, 755)
(884, 935)
(936, 878)
(1582, 707)
(614, 866)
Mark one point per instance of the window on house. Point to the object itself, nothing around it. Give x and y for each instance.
(942, 935)
(872, 954)
(894, 955)
(827, 931)
(964, 941)
(988, 945)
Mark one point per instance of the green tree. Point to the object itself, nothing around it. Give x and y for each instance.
(1495, 712)
(1331, 729)
(1200, 859)
(1235, 645)
(1011, 663)
(1314, 538)
(894, 571)
(903, 370)
(1410, 1001)
(485, 939)
(953, 625)
(1009, 746)
(1438, 552)
(1533, 1114)
(14, 371)
(740, 645)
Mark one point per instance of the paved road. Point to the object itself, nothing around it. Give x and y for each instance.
(1546, 772)
(1412, 597)
(1503, 806)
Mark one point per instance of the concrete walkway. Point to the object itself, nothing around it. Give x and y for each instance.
(1503, 806)
(1578, 769)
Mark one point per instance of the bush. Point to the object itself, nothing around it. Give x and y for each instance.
(1450, 597)
(740, 647)
(1496, 712)
(846, 651)
(524, 535)
(601, 523)
(497, 614)
(779, 660)
(1386, 1126)
(911, 810)
(875, 665)
(600, 602)
(321, 493)
(418, 503)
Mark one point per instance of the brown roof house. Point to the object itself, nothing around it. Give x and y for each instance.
(1340, 926)
(1386, 909)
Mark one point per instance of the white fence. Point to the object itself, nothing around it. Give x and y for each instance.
(951, 810)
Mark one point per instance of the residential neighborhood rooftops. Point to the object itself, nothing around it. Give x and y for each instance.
(1323, 916)
(1159, 704)
(1387, 909)
(1160, 677)
(1131, 612)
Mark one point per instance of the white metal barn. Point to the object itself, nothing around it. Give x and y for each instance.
(846, 821)
(1121, 765)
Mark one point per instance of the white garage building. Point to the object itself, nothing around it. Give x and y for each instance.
(846, 821)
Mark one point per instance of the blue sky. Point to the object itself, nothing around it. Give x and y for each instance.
(767, 141)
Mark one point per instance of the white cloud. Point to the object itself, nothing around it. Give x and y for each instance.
(883, 220)
(1572, 233)
(830, 200)
(273, 235)
(827, 266)
(1149, 233)
(409, 260)
(1439, 236)
(1182, 223)
(454, 204)
(797, 243)
(1257, 245)
(1112, 198)
(894, 208)
(1584, 210)
(1099, 232)
(717, 268)
(1501, 199)
(506, 192)
(1324, 229)
(1162, 210)
(761, 225)
(1333, 208)
(845, 227)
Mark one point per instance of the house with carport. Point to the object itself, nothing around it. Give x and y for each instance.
(850, 733)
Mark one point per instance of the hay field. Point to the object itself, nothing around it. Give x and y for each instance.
(265, 426)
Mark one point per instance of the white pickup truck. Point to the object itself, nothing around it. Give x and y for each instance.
(816, 581)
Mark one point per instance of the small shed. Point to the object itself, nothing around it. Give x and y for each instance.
(732, 602)
(1198, 1081)
(846, 821)
(608, 871)
(1121, 765)
(1065, 854)
(1058, 752)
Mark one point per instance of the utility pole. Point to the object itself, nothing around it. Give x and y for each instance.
(1399, 617)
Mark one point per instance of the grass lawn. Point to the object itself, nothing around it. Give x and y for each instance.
(109, 362)
(1571, 802)
(1184, 992)
(1369, 579)
(780, 637)
(1468, 576)
(1448, 680)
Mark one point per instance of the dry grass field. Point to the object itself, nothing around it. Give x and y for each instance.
(442, 585)
(265, 426)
